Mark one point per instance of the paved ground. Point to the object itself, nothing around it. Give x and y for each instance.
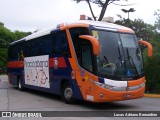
(12, 99)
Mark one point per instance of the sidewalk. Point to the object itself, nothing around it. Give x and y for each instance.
(152, 95)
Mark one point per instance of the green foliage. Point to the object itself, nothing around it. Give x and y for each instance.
(157, 23)
(1, 24)
(6, 36)
(142, 30)
(19, 34)
(152, 66)
(3, 60)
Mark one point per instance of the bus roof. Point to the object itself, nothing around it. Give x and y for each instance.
(104, 25)
(80, 23)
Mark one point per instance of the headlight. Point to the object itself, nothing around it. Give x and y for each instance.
(101, 84)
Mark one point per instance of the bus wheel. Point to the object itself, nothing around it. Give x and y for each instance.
(20, 86)
(67, 93)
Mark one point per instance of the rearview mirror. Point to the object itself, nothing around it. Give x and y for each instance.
(148, 45)
(94, 42)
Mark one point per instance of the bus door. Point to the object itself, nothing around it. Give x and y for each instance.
(87, 70)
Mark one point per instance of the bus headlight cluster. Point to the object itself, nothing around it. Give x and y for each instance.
(114, 88)
(101, 84)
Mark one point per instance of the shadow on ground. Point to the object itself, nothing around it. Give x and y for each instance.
(108, 106)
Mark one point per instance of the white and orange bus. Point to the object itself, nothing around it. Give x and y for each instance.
(86, 60)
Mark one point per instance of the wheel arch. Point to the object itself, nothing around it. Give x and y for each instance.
(76, 90)
(64, 82)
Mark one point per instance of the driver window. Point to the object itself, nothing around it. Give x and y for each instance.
(87, 56)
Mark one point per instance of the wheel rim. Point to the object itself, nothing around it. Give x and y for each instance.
(68, 93)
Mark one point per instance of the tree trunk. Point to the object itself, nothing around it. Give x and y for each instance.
(104, 7)
(91, 10)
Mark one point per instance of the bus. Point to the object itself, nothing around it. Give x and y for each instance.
(84, 60)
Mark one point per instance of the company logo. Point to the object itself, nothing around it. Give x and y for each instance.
(126, 96)
(55, 62)
(21, 114)
(6, 114)
(37, 63)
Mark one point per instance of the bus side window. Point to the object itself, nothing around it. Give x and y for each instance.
(35, 47)
(28, 48)
(75, 32)
(11, 52)
(45, 45)
(60, 44)
(39, 46)
(65, 45)
(14, 52)
(49, 44)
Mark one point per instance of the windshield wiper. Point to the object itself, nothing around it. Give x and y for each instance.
(106, 59)
(122, 62)
(120, 56)
(131, 61)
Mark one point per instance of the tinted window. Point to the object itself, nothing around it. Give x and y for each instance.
(16, 51)
(119, 57)
(42, 45)
(56, 43)
(35, 47)
(75, 32)
(128, 40)
(87, 56)
(60, 43)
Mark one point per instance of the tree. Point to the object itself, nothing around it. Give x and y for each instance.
(1, 24)
(3, 60)
(6, 37)
(157, 22)
(142, 29)
(128, 11)
(101, 3)
(152, 65)
(20, 34)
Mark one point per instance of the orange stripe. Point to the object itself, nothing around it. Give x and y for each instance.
(73, 60)
(16, 64)
(136, 82)
(20, 64)
(63, 27)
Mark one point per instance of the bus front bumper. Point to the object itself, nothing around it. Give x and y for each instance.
(109, 95)
(106, 95)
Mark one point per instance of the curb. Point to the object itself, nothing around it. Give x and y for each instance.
(152, 95)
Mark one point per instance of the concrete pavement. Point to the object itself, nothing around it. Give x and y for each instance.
(3, 78)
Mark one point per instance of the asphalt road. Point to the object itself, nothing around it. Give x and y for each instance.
(11, 99)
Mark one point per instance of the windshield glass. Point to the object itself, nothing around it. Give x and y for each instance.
(120, 56)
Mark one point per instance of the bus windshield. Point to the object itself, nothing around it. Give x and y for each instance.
(120, 56)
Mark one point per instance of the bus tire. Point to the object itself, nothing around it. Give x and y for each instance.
(67, 93)
(20, 86)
